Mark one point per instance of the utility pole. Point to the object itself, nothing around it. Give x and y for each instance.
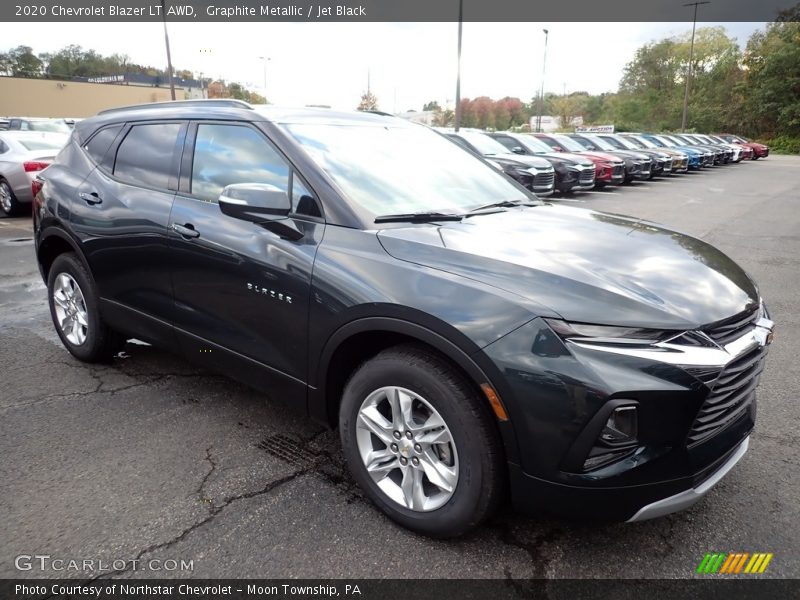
(541, 91)
(458, 68)
(266, 59)
(169, 56)
(689, 67)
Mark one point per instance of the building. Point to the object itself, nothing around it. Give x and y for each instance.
(551, 123)
(83, 97)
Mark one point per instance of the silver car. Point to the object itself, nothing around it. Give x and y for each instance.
(23, 154)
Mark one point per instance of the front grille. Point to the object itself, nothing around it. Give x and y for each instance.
(646, 166)
(587, 177)
(731, 329)
(668, 165)
(544, 181)
(619, 171)
(732, 394)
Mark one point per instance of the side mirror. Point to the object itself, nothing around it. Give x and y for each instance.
(556, 148)
(263, 204)
(256, 202)
(518, 150)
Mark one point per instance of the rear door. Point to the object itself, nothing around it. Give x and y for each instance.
(121, 214)
(241, 290)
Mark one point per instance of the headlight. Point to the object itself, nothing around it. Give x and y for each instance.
(610, 334)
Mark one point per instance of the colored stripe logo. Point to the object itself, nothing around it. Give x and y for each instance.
(734, 563)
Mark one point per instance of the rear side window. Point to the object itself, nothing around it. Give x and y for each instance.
(228, 154)
(145, 155)
(3, 147)
(101, 142)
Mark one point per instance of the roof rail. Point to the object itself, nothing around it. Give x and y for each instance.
(214, 103)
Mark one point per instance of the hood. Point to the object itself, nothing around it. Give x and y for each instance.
(568, 157)
(632, 154)
(585, 266)
(601, 156)
(522, 160)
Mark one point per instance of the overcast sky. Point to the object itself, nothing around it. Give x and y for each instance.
(409, 63)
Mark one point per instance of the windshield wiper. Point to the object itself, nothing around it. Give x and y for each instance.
(502, 204)
(418, 217)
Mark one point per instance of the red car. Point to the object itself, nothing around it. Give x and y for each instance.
(759, 150)
(608, 169)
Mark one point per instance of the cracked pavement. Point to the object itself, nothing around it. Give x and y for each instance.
(153, 458)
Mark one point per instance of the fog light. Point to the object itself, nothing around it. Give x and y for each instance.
(621, 427)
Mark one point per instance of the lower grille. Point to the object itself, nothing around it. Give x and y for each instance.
(732, 394)
(544, 181)
(668, 166)
(619, 171)
(586, 177)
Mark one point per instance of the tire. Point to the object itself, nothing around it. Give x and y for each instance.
(8, 200)
(72, 291)
(467, 456)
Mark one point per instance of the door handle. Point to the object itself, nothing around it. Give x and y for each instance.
(90, 199)
(188, 231)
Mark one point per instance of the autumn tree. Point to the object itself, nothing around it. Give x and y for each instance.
(368, 101)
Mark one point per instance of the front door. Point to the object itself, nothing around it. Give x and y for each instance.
(242, 291)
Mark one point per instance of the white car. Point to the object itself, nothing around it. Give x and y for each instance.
(23, 154)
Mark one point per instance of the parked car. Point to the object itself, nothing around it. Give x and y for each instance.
(662, 162)
(609, 169)
(697, 157)
(573, 172)
(746, 152)
(637, 165)
(3, 124)
(759, 150)
(22, 155)
(462, 335)
(35, 124)
(534, 173)
(680, 160)
(720, 154)
(736, 151)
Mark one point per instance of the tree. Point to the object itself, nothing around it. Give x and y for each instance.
(368, 101)
(432, 105)
(443, 118)
(22, 62)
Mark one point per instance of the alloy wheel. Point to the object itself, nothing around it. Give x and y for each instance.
(70, 308)
(5, 197)
(407, 448)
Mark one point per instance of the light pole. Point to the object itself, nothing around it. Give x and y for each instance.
(689, 67)
(266, 59)
(541, 91)
(458, 68)
(169, 56)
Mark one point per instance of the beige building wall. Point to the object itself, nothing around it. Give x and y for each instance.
(45, 98)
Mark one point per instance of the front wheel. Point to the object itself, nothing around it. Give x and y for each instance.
(421, 443)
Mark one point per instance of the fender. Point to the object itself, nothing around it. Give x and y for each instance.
(467, 356)
(56, 231)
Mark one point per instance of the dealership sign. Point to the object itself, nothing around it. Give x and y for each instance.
(595, 129)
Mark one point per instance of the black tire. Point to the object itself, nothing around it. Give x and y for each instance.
(101, 342)
(11, 206)
(480, 466)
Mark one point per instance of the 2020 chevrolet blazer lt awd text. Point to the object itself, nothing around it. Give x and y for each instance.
(465, 338)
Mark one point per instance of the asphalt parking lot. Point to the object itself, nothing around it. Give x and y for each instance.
(151, 458)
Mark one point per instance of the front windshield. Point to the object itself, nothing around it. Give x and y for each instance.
(625, 143)
(655, 141)
(568, 143)
(686, 140)
(51, 126)
(485, 144)
(535, 145)
(389, 169)
(587, 144)
(601, 143)
(637, 143)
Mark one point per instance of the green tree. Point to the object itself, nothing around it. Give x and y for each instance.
(22, 62)
(432, 105)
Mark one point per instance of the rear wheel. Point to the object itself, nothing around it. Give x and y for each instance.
(8, 200)
(420, 442)
(74, 308)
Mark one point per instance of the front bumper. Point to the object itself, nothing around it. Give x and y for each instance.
(555, 392)
(687, 498)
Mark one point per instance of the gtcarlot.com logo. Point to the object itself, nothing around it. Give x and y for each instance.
(735, 563)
